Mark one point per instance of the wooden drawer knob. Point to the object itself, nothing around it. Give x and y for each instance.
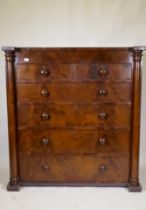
(102, 141)
(44, 93)
(45, 141)
(103, 72)
(45, 116)
(102, 115)
(45, 167)
(102, 168)
(44, 71)
(102, 92)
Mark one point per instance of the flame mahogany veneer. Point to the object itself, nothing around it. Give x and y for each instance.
(74, 116)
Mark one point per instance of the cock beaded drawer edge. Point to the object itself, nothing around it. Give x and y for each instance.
(74, 116)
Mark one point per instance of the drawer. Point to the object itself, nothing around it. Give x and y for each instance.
(78, 92)
(73, 168)
(74, 115)
(73, 55)
(75, 72)
(111, 72)
(74, 141)
(44, 73)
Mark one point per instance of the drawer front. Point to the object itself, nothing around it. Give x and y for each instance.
(44, 73)
(79, 92)
(74, 141)
(74, 168)
(76, 72)
(75, 115)
(73, 55)
(112, 72)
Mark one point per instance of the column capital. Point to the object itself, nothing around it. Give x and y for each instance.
(137, 55)
(10, 56)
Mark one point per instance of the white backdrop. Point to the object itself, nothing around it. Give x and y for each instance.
(70, 23)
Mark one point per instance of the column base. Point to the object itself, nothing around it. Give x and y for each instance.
(13, 186)
(135, 187)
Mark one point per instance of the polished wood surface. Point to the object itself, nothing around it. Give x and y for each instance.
(12, 120)
(81, 141)
(67, 93)
(74, 116)
(74, 168)
(73, 55)
(73, 72)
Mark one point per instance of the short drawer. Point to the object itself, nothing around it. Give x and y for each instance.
(31, 72)
(43, 73)
(74, 141)
(74, 115)
(106, 72)
(78, 92)
(74, 168)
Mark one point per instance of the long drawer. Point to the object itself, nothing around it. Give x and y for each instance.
(73, 55)
(65, 72)
(75, 92)
(74, 168)
(74, 141)
(74, 115)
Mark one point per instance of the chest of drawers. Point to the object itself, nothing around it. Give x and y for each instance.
(74, 116)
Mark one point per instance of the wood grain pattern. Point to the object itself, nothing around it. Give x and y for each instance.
(74, 115)
(75, 72)
(73, 55)
(32, 141)
(70, 93)
(74, 168)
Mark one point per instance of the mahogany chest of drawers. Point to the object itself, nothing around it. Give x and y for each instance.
(74, 116)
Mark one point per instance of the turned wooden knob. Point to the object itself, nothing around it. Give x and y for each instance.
(103, 72)
(44, 71)
(102, 141)
(45, 167)
(45, 116)
(102, 115)
(44, 92)
(102, 168)
(102, 92)
(45, 141)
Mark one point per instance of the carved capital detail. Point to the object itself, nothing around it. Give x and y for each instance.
(10, 56)
(137, 55)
